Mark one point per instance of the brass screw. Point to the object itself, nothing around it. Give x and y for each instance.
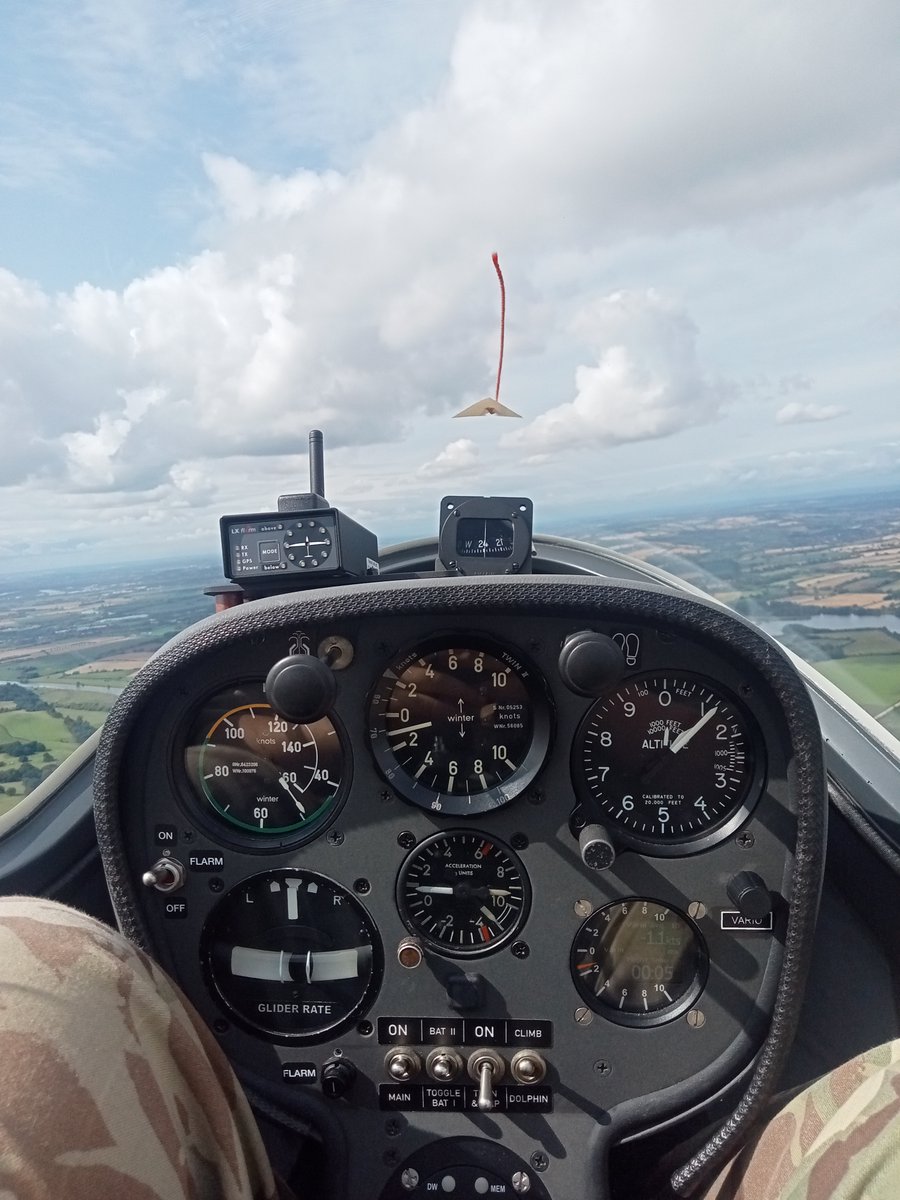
(696, 1019)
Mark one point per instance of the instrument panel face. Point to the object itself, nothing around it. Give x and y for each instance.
(405, 876)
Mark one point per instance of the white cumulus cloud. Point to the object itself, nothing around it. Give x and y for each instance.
(647, 381)
(456, 458)
(796, 412)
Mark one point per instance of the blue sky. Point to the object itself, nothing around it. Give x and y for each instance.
(223, 223)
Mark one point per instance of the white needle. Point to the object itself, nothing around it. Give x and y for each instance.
(408, 728)
(686, 734)
(287, 787)
(436, 891)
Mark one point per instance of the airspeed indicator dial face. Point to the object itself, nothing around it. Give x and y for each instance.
(667, 758)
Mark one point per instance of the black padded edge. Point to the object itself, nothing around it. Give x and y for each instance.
(860, 822)
(590, 600)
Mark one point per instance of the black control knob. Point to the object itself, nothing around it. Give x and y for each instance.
(750, 896)
(597, 849)
(337, 1077)
(589, 662)
(301, 688)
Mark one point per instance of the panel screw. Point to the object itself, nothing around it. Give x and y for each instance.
(334, 837)
(406, 840)
(364, 1028)
(583, 908)
(521, 949)
(745, 840)
(536, 797)
(384, 797)
(696, 1019)
(392, 1128)
(583, 1016)
(216, 884)
(390, 1158)
(602, 1067)
(188, 835)
(540, 1161)
(697, 910)
(409, 1179)
(220, 1025)
(521, 1183)
(361, 886)
(518, 841)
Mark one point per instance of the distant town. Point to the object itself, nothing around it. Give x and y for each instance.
(822, 575)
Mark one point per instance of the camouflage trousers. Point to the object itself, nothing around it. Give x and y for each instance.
(837, 1140)
(111, 1086)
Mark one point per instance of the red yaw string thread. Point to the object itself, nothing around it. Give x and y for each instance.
(496, 261)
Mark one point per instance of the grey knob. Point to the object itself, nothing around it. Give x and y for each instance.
(597, 849)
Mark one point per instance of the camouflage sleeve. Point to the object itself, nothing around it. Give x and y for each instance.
(837, 1140)
(110, 1084)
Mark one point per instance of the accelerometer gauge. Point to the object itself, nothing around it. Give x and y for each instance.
(463, 893)
(667, 759)
(259, 773)
(459, 726)
(638, 962)
(292, 955)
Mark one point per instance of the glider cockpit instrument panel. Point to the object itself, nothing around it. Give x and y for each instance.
(478, 873)
(541, 873)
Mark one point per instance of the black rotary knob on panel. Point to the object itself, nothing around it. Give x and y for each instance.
(589, 662)
(301, 688)
(338, 1076)
(750, 896)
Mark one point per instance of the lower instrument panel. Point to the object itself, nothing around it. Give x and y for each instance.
(492, 910)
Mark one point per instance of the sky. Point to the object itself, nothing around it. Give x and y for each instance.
(222, 224)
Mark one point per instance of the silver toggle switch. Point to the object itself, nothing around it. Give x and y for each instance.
(166, 875)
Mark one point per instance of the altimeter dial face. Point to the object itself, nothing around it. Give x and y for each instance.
(667, 758)
(463, 893)
(459, 727)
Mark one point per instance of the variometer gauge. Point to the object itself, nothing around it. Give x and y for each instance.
(260, 774)
(668, 761)
(463, 893)
(638, 962)
(459, 726)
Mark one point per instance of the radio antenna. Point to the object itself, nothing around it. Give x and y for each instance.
(316, 462)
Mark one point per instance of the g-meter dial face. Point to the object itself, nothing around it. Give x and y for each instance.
(459, 727)
(667, 758)
(463, 892)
